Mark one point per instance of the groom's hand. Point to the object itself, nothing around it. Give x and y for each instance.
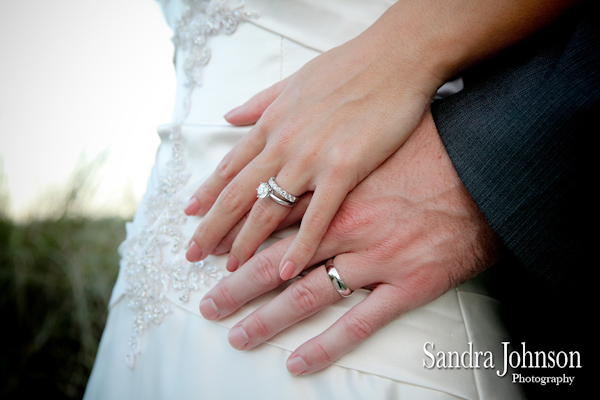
(410, 230)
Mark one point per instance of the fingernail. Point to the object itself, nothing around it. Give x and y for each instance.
(193, 253)
(296, 366)
(192, 206)
(231, 113)
(287, 272)
(232, 263)
(238, 338)
(209, 309)
(220, 249)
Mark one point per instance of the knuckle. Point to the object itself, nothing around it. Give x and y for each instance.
(282, 137)
(262, 212)
(225, 170)
(203, 197)
(266, 124)
(230, 198)
(304, 296)
(257, 326)
(425, 281)
(199, 234)
(341, 161)
(353, 218)
(358, 328)
(265, 271)
(303, 249)
(340, 168)
(321, 354)
(225, 297)
(241, 250)
(316, 222)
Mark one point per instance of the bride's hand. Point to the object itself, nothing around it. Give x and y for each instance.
(335, 120)
(410, 230)
(322, 130)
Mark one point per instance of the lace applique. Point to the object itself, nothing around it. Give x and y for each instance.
(148, 273)
(200, 20)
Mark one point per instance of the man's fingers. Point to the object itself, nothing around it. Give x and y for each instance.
(258, 276)
(301, 299)
(298, 301)
(358, 324)
(353, 328)
(297, 211)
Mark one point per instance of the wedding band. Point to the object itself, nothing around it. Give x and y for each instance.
(338, 283)
(264, 190)
(287, 196)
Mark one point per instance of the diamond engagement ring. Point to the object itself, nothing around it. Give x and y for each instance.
(338, 283)
(265, 190)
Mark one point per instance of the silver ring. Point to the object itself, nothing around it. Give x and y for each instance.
(338, 283)
(287, 196)
(264, 190)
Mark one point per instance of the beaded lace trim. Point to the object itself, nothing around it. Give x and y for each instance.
(147, 274)
(202, 19)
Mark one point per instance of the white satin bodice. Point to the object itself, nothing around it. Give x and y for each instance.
(154, 273)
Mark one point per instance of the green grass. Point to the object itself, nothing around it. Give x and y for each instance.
(56, 277)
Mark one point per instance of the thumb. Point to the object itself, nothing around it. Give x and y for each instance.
(251, 111)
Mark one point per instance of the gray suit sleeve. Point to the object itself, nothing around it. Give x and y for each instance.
(519, 136)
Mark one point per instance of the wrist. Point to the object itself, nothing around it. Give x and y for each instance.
(442, 39)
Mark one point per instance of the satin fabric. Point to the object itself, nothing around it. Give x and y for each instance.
(186, 356)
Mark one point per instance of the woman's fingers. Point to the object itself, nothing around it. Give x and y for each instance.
(233, 203)
(325, 202)
(263, 219)
(251, 111)
(297, 211)
(266, 215)
(224, 245)
(246, 150)
(293, 217)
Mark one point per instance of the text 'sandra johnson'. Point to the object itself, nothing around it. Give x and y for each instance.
(485, 359)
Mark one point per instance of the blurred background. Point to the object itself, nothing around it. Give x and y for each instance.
(83, 85)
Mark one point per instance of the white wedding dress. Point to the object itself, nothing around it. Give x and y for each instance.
(156, 345)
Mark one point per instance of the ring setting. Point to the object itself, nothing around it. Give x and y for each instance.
(337, 281)
(263, 190)
(276, 193)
